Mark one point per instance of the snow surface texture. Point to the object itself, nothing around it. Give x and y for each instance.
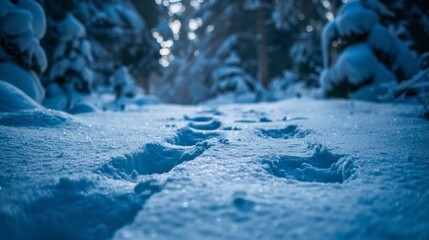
(295, 169)
(22, 25)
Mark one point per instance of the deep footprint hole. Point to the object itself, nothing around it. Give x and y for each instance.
(75, 209)
(198, 118)
(321, 166)
(212, 125)
(152, 158)
(188, 137)
(291, 131)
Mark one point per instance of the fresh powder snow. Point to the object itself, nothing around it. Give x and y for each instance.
(293, 169)
(307, 121)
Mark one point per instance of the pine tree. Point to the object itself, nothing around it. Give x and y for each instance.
(70, 73)
(218, 28)
(118, 35)
(371, 58)
(230, 78)
(22, 25)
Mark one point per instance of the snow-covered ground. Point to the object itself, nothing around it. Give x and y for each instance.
(296, 169)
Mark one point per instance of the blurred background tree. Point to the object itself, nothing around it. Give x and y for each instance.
(172, 48)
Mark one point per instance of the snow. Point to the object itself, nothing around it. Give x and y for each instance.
(12, 99)
(124, 15)
(38, 16)
(21, 26)
(404, 60)
(24, 80)
(354, 19)
(70, 29)
(296, 169)
(378, 7)
(365, 69)
(356, 65)
(231, 84)
(16, 22)
(123, 83)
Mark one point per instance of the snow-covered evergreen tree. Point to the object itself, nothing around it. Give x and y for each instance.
(123, 83)
(412, 25)
(299, 25)
(22, 25)
(371, 58)
(208, 33)
(117, 33)
(231, 83)
(70, 73)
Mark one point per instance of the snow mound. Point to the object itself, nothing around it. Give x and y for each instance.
(26, 81)
(321, 166)
(152, 158)
(12, 99)
(37, 118)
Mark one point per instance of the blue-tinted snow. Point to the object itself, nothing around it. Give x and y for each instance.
(337, 169)
(359, 62)
(26, 81)
(13, 99)
(22, 24)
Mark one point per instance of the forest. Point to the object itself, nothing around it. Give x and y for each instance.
(214, 119)
(87, 54)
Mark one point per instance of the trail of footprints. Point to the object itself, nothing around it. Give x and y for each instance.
(314, 162)
(187, 144)
(81, 201)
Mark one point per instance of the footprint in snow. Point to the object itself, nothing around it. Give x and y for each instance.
(152, 158)
(198, 119)
(188, 137)
(320, 165)
(291, 131)
(77, 209)
(211, 125)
